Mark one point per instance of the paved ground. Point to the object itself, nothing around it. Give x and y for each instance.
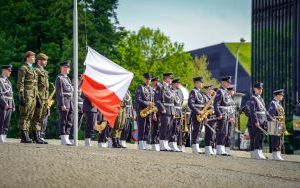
(53, 165)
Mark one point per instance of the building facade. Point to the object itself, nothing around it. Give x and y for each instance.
(222, 62)
(276, 50)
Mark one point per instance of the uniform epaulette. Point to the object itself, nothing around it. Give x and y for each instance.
(23, 68)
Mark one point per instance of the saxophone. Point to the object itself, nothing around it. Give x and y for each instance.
(50, 99)
(207, 110)
(100, 126)
(148, 110)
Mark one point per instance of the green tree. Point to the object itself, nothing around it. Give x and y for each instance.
(150, 50)
(201, 69)
(46, 26)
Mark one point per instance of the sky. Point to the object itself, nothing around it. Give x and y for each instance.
(196, 23)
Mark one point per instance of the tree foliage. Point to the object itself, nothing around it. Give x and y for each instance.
(149, 50)
(200, 66)
(46, 26)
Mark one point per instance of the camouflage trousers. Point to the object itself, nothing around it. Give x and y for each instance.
(119, 124)
(26, 114)
(39, 114)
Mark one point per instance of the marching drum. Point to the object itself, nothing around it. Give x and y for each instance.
(185, 93)
(274, 128)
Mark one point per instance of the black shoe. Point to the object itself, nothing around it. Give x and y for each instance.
(225, 154)
(42, 136)
(44, 141)
(25, 137)
(115, 143)
(37, 138)
(118, 142)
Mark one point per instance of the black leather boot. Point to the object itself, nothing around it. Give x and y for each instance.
(115, 143)
(25, 137)
(119, 144)
(37, 138)
(42, 136)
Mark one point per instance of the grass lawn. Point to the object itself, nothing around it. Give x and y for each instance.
(244, 56)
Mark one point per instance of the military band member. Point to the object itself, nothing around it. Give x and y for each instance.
(80, 101)
(196, 103)
(130, 117)
(104, 135)
(165, 100)
(276, 111)
(41, 110)
(222, 107)
(28, 95)
(232, 117)
(155, 120)
(176, 132)
(144, 99)
(91, 113)
(182, 140)
(259, 118)
(64, 97)
(209, 138)
(80, 106)
(250, 127)
(251, 137)
(7, 104)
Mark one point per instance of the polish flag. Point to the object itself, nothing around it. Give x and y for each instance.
(105, 84)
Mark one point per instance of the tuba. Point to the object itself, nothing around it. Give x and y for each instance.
(50, 99)
(207, 110)
(148, 110)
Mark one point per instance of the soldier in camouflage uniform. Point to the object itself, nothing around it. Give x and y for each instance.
(28, 95)
(41, 111)
(7, 104)
(118, 127)
(64, 97)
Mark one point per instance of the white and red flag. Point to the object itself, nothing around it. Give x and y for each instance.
(105, 84)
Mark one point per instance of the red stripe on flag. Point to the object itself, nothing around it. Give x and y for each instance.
(107, 102)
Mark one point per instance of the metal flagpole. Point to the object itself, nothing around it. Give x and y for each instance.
(242, 40)
(236, 68)
(75, 73)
